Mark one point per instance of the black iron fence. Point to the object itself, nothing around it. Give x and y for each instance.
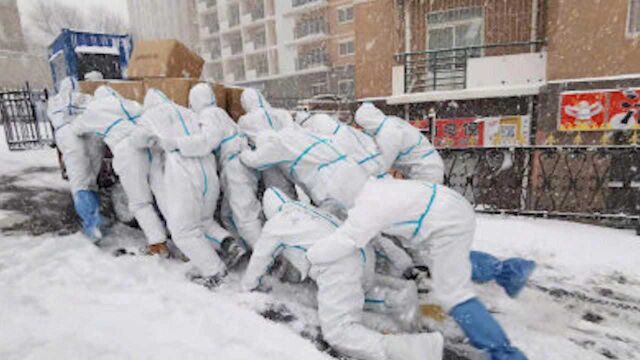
(446, 69)
(23, 116)
(596, 184)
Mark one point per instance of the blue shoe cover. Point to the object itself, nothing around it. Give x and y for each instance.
(484, 267)
(514, 275)
(483, 331)
(87, 204)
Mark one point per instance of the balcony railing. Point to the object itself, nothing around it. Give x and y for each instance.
(447, 69)
(308, 62)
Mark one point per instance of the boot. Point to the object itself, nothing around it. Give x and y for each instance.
(426, 346)
(514, 275)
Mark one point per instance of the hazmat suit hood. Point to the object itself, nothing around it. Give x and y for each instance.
(252, 99)
(322, 124)
(272, 200)
(154, 98)
(200, 97)
(369, 117)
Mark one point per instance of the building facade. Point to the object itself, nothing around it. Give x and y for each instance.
(164, 19)
(290, 49)
(18, 66)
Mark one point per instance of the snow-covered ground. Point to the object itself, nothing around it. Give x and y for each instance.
(61, 297)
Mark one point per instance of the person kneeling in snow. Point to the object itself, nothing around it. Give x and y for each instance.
(82, 155)
(293, 227)
(186, 188)
(436, 225)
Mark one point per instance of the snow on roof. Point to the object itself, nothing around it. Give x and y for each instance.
(107, 50)
(465, 94)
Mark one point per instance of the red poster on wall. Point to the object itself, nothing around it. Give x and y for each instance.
(584, 111)
(459, 132)
(624, 112)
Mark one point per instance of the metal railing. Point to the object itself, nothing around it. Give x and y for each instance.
(24, 119)
(446, 69)
(596, 184)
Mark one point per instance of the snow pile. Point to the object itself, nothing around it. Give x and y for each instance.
(64, 298)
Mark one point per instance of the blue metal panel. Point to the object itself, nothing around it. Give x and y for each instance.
(69, 40)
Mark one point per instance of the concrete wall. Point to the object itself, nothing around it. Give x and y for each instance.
(376, 43)
(587, 38)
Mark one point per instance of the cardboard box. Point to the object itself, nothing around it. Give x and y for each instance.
(164, 58)
(234, 106)
(132, 90)
(176, 89)
(221, 95)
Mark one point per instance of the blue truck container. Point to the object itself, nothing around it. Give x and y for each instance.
(75, 53)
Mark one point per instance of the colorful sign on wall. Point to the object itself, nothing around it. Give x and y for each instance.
(485, 132)
(422, 124)
(455, 133)
(600, 110)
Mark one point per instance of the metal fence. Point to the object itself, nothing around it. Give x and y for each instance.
(596, 184)
(446, 69)
(23, 116)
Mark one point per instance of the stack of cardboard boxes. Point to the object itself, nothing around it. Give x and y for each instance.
(169, 66)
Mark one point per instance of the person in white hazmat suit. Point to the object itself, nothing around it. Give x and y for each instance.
(401, 145)
(261, 116)
(82, 155)
(292, 228)
(220, 135)
(324, 172)
(436, 225)
(406, 149)
(113, 118)
(186, 188)
(358, 145)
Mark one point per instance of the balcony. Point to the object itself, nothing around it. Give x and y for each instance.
(474, 67)
(308, 62)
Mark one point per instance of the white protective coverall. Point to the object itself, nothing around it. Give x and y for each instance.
(437, 226)
(187, 188)
(82, 155)
(401, 145)
(327, 175)
(113, 118)
(219, 134)
(292, 228)
(358, 145)
(261, 116)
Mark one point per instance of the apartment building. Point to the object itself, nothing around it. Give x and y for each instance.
(290, 49)
(549, 60)
(164, 19)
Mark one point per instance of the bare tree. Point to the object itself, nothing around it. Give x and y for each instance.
(47, 18)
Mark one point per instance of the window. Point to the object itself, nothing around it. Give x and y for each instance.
(346, 88)
(345, 14)
(633, 19)
(318, 89)
(346, 48)
(233, 14)
(455, 28)
(310, 26)
(296, 3)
